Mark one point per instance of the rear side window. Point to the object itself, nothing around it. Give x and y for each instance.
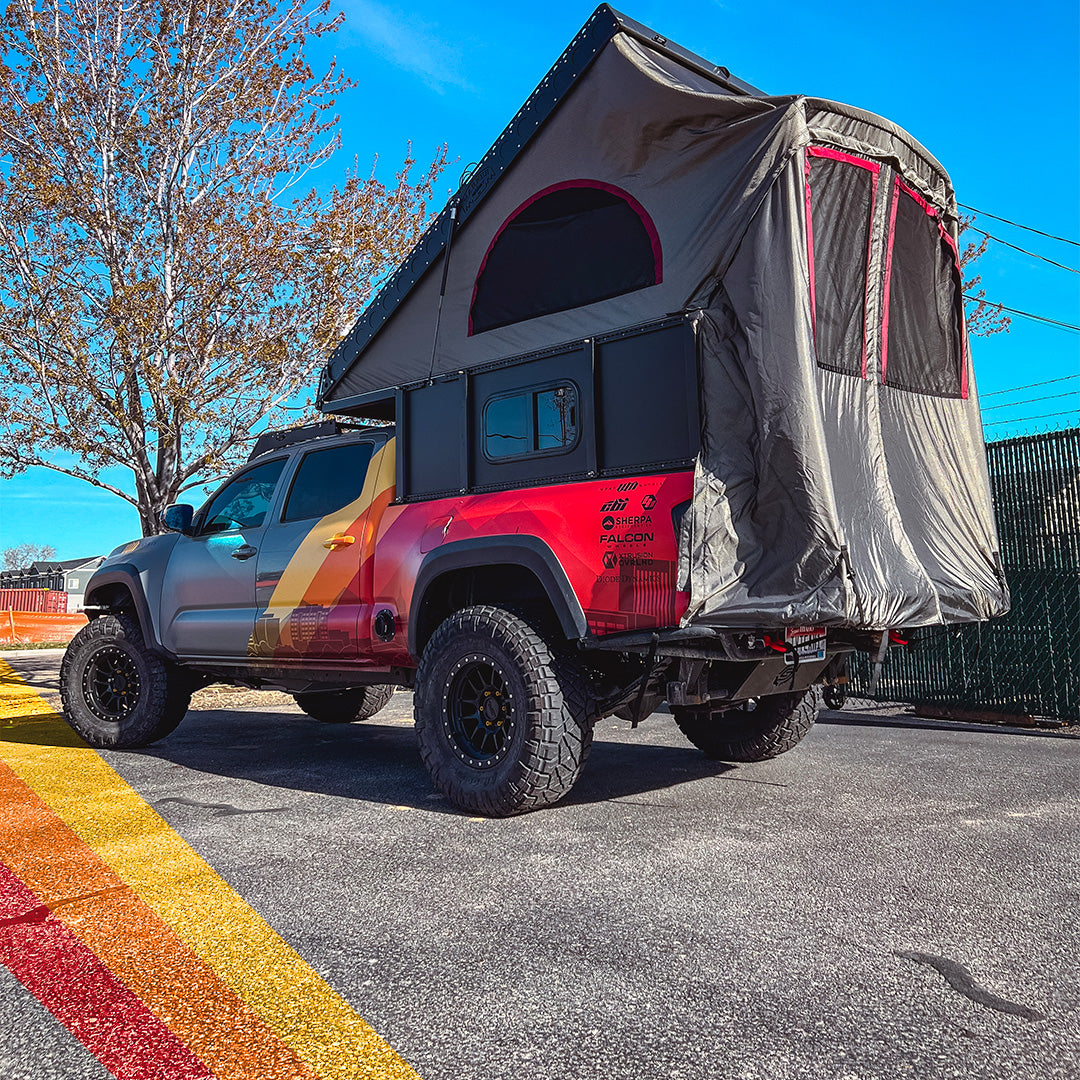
(328, 480)
(923, 346)
(243, 502)
(531, 422)
(840, 194)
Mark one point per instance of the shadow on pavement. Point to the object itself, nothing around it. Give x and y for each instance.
(915, 723)
(374, 762)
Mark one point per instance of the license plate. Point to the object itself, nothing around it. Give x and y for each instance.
(809, 643)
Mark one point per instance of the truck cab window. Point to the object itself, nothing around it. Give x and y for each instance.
(242, 503)
(327, 480)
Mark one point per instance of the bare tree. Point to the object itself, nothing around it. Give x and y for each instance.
(15, 558)
(984, 319)
(167, 279)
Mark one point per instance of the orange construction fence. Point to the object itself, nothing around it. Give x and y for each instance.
(35, 627)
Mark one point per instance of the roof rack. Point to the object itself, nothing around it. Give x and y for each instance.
(278, 440)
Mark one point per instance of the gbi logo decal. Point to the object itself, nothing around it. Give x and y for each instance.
(614, 506)
(611, 560)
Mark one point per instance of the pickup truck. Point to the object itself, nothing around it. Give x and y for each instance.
(302, 573)
(673, 401)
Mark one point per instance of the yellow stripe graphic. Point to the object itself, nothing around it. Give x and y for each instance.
(186, 893)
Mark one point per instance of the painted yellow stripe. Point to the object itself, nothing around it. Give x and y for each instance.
(185, 892)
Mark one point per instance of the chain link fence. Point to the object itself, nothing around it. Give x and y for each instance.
(1027, 662)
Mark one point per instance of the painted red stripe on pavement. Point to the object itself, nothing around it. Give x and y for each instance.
(81, 992)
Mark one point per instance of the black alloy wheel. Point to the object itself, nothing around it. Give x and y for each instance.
(111, 684)
(478, 712)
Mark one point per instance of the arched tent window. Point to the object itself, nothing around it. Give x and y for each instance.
(571, 244)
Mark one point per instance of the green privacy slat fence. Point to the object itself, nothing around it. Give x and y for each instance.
(1027, 662)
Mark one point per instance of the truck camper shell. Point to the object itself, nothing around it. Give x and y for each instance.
(658, 267)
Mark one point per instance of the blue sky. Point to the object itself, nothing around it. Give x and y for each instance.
(993, 91)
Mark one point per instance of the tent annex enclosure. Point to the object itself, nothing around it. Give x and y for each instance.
(658, 267)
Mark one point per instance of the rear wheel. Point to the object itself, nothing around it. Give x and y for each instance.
(345, 706)
(755, 731)
(835, 697)
(117, 693)
(502, 716)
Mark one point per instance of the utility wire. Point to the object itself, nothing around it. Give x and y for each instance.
(1030, 386)
(1016, 247)
(983, 213)
(1031, 401)
(1026, 314)
(1025, 419)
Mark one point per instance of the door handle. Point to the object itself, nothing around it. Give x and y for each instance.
(244, 551)
(338, 541)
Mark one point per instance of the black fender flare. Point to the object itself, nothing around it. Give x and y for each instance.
(127, 574)
(529, 552)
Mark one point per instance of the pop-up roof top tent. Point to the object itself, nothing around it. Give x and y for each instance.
(645, 207)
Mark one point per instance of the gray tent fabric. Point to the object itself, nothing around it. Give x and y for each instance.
(823, 495)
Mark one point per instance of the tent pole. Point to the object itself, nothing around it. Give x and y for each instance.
(442, 288)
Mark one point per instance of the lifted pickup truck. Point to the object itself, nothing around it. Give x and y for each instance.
(301, 573)
(673, 401)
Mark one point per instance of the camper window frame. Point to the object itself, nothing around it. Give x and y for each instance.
(874, 168)
(532, 393)
(899, 187)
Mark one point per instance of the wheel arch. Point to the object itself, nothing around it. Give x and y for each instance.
(525, 563)
(119, 589)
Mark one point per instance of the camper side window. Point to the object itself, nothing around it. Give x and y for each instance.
(571, 244)
(541, 420)
(923, 332)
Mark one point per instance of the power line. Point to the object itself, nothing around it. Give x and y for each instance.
(1026, 314)
(1016, 247)
(1030, 386)
(1030, 401)
(983, 213)
(1025, 419)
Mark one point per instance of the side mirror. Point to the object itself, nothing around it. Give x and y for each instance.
(178, 517)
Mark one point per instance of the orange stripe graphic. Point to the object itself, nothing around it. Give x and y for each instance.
(87, 998)
(91, 899)
(117, 874)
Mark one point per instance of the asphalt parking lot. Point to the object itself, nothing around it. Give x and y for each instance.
(894, 898)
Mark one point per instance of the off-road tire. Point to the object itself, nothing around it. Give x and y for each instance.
(118, 694)
(345, 706)
(527, 751)
(774, 725)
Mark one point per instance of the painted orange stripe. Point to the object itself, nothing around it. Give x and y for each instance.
(81, 992)
(94, 902)
(177, 885)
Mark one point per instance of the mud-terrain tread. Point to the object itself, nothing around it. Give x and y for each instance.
(345, 706)
(557, 723)
(779, 723)
(166, 692)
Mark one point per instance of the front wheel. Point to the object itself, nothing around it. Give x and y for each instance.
(754, 731)
(118, 694)
(502, 716)
(345, 706)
